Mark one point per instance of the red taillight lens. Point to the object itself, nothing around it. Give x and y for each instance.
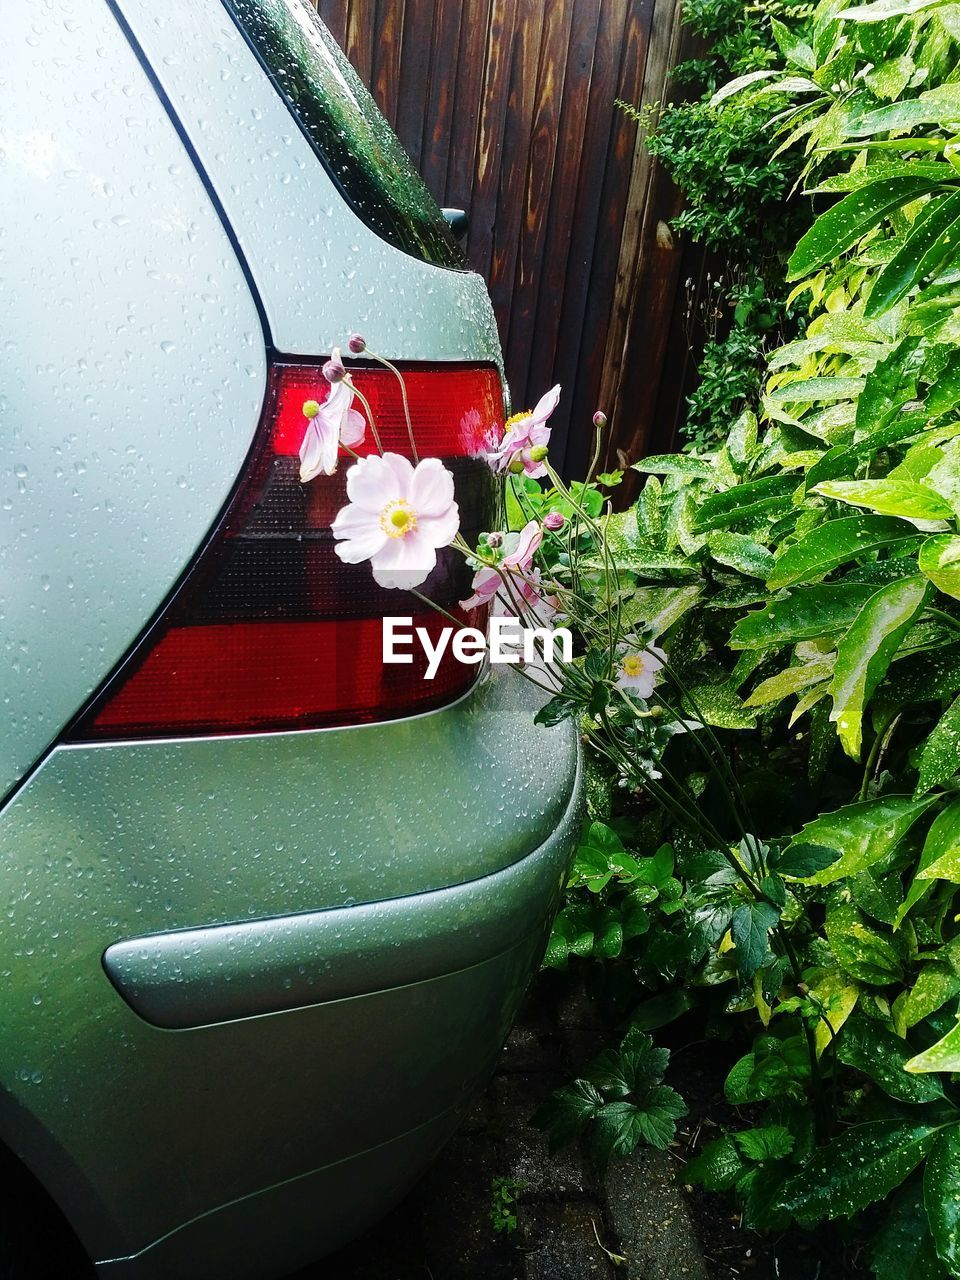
(270, 630)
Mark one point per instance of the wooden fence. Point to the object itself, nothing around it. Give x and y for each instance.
(508, 109)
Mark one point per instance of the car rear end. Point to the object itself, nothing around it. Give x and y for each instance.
(271, 904)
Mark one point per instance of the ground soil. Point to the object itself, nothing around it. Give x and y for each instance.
(638, 1223)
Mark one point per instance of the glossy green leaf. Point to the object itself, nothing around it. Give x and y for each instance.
(861, 1165)
(881, 10)
(835, 543)
(843, 460)
(944, 394)
(865, 653)
(881, 1055)
(740, 552)
(941, 1197)
(940, 105)
(676, 464)
(788, 682)
(890, 385)
(862, 950)
(940, 756)
(807, 613)
(889, 498)
(942, 1056)
(864, 833)
(939, 560)
(750, 930)
(851, 218)
(933, 986)
(930, 246)
(744, 501)
(903, 1246)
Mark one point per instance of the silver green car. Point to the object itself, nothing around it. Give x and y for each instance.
(269, 906)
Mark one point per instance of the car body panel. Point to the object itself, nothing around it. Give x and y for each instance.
(320, 271)
(227, 1110)
(132, 368)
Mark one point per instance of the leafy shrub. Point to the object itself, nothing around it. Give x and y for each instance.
(800, 739)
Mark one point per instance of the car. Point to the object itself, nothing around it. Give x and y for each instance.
(270, 906)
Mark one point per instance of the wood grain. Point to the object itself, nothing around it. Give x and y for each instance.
(507, 109)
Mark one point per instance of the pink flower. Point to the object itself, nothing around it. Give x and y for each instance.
(488, 581)
(397, 517)
(329, 425)
(525, 440)
(638, 669)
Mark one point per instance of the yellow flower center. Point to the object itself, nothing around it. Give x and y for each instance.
(632, 665)
(398, 518)
(518, 417)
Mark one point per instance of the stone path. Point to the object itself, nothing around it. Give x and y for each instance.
(572, 1225)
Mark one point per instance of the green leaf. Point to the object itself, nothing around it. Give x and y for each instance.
(889, 498)
(773, 1142)
(620, 1127)
(790, 681)
(942, 842)
(864, 833)
(742, 437)
(881, 1055)
(890, 385)
(903, 1246)
(744, 501)
(557, 709)
(934, 985)
(852, 217)
(807, 613)
(940, 756)
(717, 1167)
(863, 1164)
(567, 1111)
(676, 464)
(866, 651)
(843, 460)
(718, 705)
(942, 1056)
(834, 543)
(861, 950)
(941, 1197)
(740, 552)
(881, 10)
(802, 860)
(750, 930)
(939, 560)
(944, 394)
(660, 608)
(929, 246)
(940, 105)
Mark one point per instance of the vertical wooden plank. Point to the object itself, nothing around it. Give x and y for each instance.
(468, 104)
(361, 20)
(491, 133)
(334, 14)
(509, 226)
(545, 143)
(438, 121)
(417, 46)
(577, 172)
(645, 294)
(387, 52)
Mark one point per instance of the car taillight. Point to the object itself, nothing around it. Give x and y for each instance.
(269, 630)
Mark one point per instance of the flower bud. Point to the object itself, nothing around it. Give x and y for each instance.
(334, 370)
(357, 344)
(515, 465)
(554, 521)
(310, 408)
(599, 419)
(537, 453)
(494, 540)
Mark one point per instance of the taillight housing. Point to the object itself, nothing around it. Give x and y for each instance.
(269, 630)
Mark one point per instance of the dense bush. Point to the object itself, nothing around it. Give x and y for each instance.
(776, 800)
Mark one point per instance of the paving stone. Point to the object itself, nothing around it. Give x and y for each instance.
(646, 1208)
(524, 1150)
(559, 1242)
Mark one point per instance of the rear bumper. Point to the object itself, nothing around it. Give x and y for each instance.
(195, 977)
(418, 1051)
